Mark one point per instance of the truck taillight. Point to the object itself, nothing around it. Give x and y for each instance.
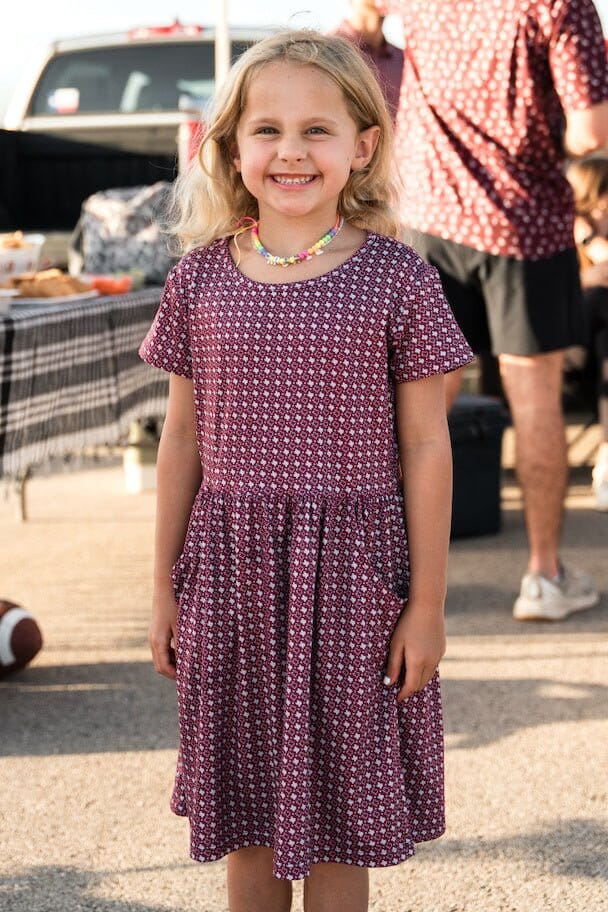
(156, 31)
(189, 136)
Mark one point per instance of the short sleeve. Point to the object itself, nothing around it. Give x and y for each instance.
(577, 55)
(424, 337)
(167, 343)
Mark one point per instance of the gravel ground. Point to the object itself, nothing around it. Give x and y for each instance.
(88, 731)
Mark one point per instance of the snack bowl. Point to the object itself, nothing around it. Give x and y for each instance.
(19, 253)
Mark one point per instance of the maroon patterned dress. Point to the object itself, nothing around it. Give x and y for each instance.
(295, 565)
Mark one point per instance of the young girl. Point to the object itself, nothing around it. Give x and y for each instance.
(589, 179)
(307, 622)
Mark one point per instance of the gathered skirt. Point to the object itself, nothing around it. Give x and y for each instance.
(288, 736)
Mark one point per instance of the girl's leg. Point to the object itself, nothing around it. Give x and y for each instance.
(251, 886)
(336, 888)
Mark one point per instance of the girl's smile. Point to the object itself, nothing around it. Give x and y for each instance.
(287, 181)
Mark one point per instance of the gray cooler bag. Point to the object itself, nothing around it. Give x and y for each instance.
(118, 230)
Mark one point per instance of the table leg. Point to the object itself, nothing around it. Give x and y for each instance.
(20, 490)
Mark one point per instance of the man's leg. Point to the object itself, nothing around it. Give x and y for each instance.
(533, 389)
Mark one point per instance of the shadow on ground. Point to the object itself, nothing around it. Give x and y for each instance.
(64, 889)
(569, 848)
(482, 712)
(107, 706)
(486, 610)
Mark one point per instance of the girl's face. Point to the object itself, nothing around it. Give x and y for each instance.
(297, 143)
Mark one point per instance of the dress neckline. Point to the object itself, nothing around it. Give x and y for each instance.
(354, 257)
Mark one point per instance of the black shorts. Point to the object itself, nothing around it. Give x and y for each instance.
(504, 305)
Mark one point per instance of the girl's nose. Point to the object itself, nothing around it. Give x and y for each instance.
(291, 149)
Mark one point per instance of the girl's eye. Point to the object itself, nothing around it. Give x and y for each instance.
(317, 130)
(266, 131)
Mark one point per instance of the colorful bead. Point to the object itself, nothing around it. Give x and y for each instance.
(316, 249)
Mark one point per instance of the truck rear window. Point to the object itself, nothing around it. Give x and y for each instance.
(129, 79)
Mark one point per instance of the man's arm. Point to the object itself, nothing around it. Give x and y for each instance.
(586, 130)
(579, 71)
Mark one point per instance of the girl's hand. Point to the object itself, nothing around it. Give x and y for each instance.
(161, 634)
(416, 648)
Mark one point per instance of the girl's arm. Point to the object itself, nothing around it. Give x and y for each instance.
(178, 477)
(418, 640)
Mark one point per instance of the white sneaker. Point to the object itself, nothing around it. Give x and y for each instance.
(600, 479)
(542, 599)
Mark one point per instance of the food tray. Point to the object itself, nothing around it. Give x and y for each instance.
(61, 299)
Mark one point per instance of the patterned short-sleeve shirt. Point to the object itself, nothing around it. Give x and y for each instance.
(480, 124)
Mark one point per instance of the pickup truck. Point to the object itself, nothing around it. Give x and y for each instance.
(102, 111)
(130, 90)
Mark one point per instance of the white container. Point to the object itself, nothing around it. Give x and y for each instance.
(6, 296)
(139, 460)
(17, 260)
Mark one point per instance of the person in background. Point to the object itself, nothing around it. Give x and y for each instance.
(589, 180)
(494, 97)
(363, 26)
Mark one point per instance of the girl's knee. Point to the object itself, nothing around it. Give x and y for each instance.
(252, 855)
(336, 888)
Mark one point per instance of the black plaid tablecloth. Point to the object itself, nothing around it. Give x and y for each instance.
(70, 376)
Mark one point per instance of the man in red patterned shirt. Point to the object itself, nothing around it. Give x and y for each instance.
(495, 94)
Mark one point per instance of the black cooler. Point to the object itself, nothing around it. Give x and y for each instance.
(476, 427)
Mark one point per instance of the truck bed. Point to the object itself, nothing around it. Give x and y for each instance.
(44, 179)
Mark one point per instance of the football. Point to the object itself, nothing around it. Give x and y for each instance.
(20, 637)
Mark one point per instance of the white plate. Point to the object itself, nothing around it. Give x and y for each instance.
(64, 299)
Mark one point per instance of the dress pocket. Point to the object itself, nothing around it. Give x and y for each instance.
(389, 591)
(381, 604)
(381, 538)
(186, 567)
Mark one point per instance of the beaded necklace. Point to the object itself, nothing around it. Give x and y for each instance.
(317, 248)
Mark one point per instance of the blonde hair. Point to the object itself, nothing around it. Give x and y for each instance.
(210, 197)
(589, 180)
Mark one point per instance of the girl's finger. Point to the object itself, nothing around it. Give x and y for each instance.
(413, 682)
(428, 674)
(165, 664)
(163, 656)
(394, 666)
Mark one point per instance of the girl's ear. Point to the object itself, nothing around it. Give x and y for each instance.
(234, 155)
(366, 146)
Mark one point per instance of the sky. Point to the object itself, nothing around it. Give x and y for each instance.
(28, 27)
